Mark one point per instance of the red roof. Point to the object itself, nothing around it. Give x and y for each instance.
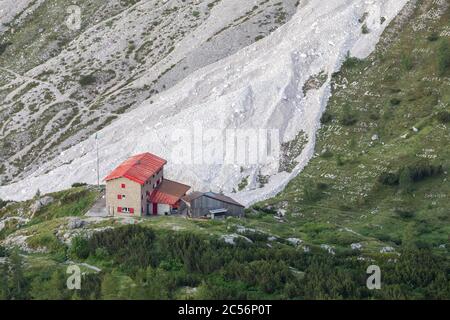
(168, 192)
(138, 168)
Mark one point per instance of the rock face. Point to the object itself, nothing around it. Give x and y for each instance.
(20, 241)
(294, 241)
(387, 250)
(38, 204)
(72, 80)
(76, 223)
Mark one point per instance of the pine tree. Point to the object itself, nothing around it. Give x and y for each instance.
(17, 279)
(405, 180)
(4, 290)
(110, 288)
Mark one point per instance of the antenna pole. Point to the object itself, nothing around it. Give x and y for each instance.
(98, 163)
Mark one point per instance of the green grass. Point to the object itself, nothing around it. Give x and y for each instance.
(72, 202)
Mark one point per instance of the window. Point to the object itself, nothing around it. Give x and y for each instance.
(123, 186)
(125, 210)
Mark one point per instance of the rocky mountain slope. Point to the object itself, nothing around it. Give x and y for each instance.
(60, 84)
(280, 82)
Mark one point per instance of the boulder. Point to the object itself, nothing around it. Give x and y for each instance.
(294, 241)
(387, 249)
(76, 223)
(42, 202)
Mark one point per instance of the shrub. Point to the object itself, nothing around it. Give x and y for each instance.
(3, 203)
(404, 213)
(434, 36)
(268, 210)
(327, 154)
(78, 184)
(365, 29)
(311, 193)
(410, 174)
(389, 178)
(87, 80)
(351, 62)
(423, 170)
(444, 117)
(79, 248)
(321, 186)
(395, 101)
(407, 62)
(3, 47)
(3, 251)
(405, 180)
(348, 119)
(443, 57)
(339, 160)
(243, 184)
(327, 117)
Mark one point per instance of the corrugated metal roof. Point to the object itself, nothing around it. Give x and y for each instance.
(216, 196)
(223, 198)
(138, 168)
(168, 192)
(192, 196)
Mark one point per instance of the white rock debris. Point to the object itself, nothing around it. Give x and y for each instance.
(294, 241)
(328, 248)
(231, 238)
(387, 250)
(258, 87)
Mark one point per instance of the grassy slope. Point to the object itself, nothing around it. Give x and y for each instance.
(397, 88)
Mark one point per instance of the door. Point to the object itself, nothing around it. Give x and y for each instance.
(155, 209)
(147, 209)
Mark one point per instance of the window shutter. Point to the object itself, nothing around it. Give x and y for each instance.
(119, 209)
(119, 196)
(131, 210)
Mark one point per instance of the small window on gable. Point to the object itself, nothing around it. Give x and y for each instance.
(123, 186)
